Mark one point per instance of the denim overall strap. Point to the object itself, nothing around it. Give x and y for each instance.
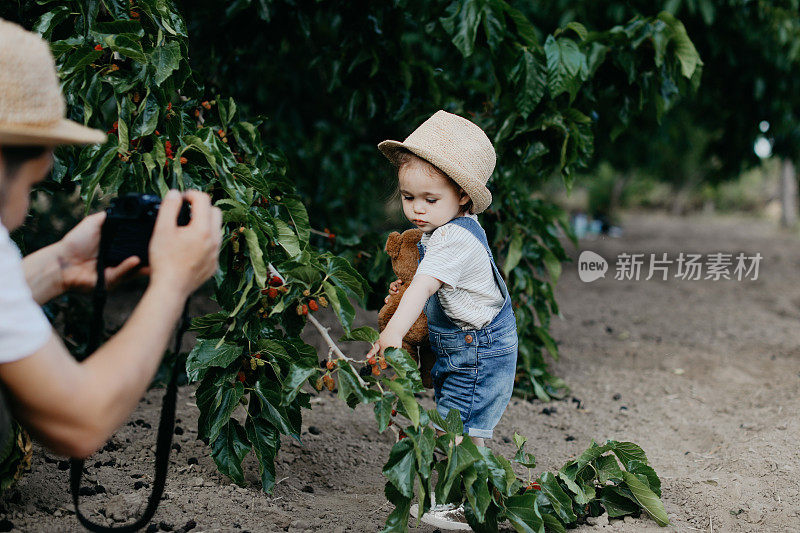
(437, 318)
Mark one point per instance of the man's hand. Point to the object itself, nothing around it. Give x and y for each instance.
(77, 257)
(183, 257)
(387, 339)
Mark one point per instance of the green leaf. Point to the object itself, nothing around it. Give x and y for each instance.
(410, 403)
(460, 459)
(272, 411)
(287, 238)
(127, 46)
(608, 469)
(684, 48)
(147, 120)
(256, 257)
(400, 468)
(553, 265)
(300, 218)
(578, 28)
(228, 450)
(462, 24)
(514, 254)
(403, 363)
(560, 500)
(350, 384)
(294, 381)
(340, 304)
(266, 441)
(616, 503)
(499, 471)
(206, 354)
(49, 20)
(547, 340)
(397, 521)
(364, 333)
(383, 411)
(216, 398)
(627, 451)
(165, 59)
(566, 65)
(521, 512)
(530, 76)
(641, 469)
(646, 498)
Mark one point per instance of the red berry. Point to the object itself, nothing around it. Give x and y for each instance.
(330, 365)
(134, 15)
(206, 104)
(272, 292)
(157, 133)
(313, 305)
(240, 376)
(376, 371)
(275, 281)
(394, 412)
(372, 360)
(220, 132)
(98, 47)
(184, 160)
(169, 106)
(305, 309)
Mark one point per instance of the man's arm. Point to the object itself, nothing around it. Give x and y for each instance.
(411, 305)
(73, 407)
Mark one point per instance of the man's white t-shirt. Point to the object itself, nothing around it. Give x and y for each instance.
(23, 327)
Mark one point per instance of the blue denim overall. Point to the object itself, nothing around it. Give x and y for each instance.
(474, 369)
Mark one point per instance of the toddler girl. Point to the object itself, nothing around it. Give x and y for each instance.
(443, 167)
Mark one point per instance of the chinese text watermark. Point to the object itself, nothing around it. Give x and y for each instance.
(661, 266)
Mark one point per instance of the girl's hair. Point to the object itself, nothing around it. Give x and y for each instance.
(405, 157)
(15, 156)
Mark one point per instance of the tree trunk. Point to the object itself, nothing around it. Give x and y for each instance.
(788, 194)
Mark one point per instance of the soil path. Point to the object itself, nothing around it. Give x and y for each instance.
(702, 374)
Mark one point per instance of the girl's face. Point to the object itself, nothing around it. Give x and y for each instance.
(429, 199)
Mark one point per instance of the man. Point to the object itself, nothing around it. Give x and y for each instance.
(71, 407)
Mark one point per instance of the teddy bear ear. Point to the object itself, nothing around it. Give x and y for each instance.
(393, 244)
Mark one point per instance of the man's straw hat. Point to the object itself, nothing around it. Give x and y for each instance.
(32, 109)
(457, 147)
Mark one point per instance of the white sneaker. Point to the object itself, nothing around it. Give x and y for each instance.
(447, 516)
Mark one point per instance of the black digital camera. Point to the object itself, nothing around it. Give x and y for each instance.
(129, 225)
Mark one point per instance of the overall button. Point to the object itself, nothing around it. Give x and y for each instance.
(468, 339)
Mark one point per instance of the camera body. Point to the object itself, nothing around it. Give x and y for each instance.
(129, 225)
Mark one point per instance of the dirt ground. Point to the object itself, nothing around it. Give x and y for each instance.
(702, 374)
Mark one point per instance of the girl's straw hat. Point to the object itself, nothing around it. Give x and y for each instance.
(32, 109)
(457, 147)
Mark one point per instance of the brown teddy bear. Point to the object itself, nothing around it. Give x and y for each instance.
(402, 250)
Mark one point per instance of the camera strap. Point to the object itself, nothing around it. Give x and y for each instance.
(165, 426)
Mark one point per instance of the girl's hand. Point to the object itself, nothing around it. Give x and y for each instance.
(394, 288)
(387, 339)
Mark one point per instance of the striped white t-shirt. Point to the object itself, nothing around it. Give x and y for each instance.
(469, 294)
